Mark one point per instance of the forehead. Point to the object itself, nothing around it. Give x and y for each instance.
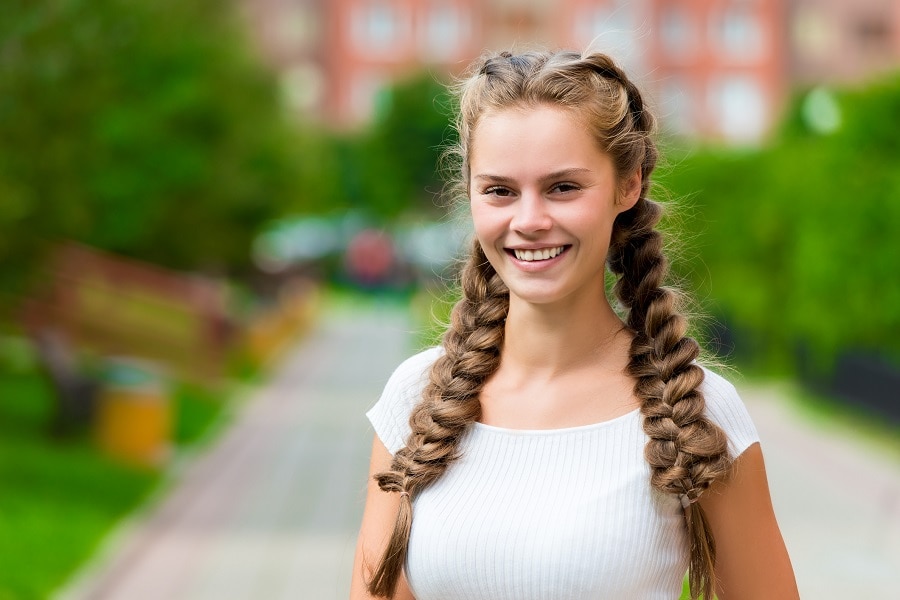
(533, 137)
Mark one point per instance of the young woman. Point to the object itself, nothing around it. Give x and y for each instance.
(553, 447)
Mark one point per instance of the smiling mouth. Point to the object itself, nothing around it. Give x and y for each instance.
(536, 255)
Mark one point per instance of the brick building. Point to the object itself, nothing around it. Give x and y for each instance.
(715, 69)
(836, 41)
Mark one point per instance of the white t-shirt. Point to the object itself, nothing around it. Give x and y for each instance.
(561, 514)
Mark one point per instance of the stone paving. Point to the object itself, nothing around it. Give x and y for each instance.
(271, 509)
(837, 498)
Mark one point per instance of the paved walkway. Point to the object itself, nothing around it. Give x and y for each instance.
(271, 509)
(837, 498)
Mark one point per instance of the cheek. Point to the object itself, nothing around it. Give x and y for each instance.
(594, 214)
(592, 225)
(488, 222)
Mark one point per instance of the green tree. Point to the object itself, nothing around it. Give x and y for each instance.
(396, 162)
(145, 127)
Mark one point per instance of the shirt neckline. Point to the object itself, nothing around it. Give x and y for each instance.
(559, 430)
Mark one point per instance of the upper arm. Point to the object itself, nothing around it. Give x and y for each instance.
(378, 521)
(751, 559)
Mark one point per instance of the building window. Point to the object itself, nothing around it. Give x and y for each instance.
(738, 106)
(677, 33)
(302, 88)
(444, 31)
(297, 28)
(874, 32)
(813, 33)
(380, 27)
(609, 29)
(677, 100)
(738, 34)
(365, 90)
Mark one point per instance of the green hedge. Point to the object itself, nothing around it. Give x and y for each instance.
(797, 242)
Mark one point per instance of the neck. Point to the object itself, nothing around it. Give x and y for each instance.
(550, 340)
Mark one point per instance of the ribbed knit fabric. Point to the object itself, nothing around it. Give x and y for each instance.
(560, 514)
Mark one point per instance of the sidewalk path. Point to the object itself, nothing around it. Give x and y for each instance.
(271, 509)
(837, 499)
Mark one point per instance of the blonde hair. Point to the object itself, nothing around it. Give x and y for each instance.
(686, 451)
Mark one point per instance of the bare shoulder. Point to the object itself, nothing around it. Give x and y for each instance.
(752, 560)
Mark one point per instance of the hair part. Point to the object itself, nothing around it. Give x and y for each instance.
(686, 451)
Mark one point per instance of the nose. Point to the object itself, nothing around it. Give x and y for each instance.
(531, 214)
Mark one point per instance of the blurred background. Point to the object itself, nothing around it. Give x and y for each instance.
(202, 203)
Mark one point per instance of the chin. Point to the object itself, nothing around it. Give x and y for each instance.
(537, 297)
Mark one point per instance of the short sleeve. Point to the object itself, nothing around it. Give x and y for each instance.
(390, 415)
(726, 409)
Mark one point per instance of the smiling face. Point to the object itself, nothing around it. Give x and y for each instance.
(543, 200)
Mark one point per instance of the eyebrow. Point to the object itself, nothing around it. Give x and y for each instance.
(561, 174)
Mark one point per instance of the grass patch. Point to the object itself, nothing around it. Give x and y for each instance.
(60, 497)
(431, 307)
(343, 296)
(197, 409)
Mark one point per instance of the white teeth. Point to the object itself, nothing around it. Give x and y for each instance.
(533, 255)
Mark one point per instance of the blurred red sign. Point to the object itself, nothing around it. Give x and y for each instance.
(370, 256)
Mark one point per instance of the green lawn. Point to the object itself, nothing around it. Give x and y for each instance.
(58, 498)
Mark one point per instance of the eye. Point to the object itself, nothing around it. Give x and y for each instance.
(498, 191)
(563, 187)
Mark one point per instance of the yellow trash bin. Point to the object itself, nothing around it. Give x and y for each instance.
(134, 415)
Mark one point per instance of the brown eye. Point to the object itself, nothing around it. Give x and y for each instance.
(564, 187)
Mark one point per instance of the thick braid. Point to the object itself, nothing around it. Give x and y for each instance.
(686, 451)
(450, 404)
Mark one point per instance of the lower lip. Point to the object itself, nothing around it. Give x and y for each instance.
(533, 266)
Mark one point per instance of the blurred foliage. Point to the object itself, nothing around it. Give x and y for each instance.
(60, 497)
(393, 167)
(145, 127)
(431, 308)
(797, 239)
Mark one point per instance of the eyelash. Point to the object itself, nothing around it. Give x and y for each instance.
(494, 189)
(570, 187)
(566, 187)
